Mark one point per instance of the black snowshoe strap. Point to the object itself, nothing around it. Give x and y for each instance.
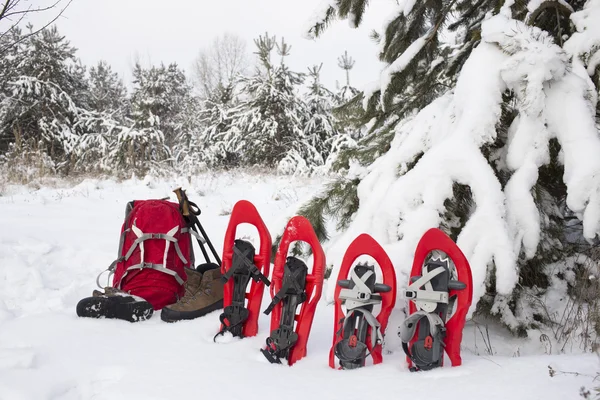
(242, 269)
(243, 264)
(294, 282)
(232, 319)
(292, 293)
(427, 352)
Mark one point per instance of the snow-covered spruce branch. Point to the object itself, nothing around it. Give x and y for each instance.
(398, 205)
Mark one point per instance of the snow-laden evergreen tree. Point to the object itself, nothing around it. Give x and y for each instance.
(347, 92)
(215, 143)
(107, 92)
(159, 101)
(323, 130)
(44, 97)
(105, 121)
(267, 127)
(483, 123)
(319, 129)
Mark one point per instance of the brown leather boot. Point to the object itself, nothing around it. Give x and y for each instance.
(203, 294)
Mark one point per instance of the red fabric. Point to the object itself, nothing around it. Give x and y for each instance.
(156, 287)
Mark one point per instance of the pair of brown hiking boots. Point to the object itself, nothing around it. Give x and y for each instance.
(203, 294)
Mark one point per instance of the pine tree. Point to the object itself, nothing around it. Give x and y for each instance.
(346, 92)
(105, 121)
(159, 99)
(267, 127)
(43, 101)
(320, 128)
(490, 99)
(107, 92)
(216, 137)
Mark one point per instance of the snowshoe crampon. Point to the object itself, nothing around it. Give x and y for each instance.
(240, 267)
(292, 287)
(440, 293)
(359, 334)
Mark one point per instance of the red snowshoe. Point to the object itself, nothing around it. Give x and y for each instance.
(292, 287)
(440, 294)
(359, 333)
(240, 264)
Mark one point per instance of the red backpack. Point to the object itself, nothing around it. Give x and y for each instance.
(154, 250)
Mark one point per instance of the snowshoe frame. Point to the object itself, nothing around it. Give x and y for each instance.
(462, 294)
(283, 313)
(364, 244)
(244, 320)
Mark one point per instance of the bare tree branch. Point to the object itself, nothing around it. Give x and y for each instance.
(219, 65)
(10, 4)
(29, 10)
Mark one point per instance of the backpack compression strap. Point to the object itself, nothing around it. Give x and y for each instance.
(141, 238)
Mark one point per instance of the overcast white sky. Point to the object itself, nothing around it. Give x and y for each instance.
(174, 31)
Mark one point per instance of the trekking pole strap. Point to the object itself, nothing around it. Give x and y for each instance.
(190, 212)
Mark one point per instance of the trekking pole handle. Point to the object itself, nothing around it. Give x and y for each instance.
(183, 201)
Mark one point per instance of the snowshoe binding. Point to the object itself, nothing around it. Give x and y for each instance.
(292, 286)
(240, 265)
(360, 334)
(440, 294)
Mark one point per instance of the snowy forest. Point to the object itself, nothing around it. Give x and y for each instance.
(484, 122)
(58, 116)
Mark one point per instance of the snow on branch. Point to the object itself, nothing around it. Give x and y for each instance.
(553, 102)
(398, 210)
(401, 62)
(584, 44)
(398, 204)
(323, 15)
(536, 7)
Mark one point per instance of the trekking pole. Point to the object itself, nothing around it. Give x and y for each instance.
(190, 214)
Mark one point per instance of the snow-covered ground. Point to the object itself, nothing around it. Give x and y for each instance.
(55, 240)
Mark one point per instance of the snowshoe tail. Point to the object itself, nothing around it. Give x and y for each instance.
(359, 334)
(240, 267)
(440, 293)
(294, 287)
